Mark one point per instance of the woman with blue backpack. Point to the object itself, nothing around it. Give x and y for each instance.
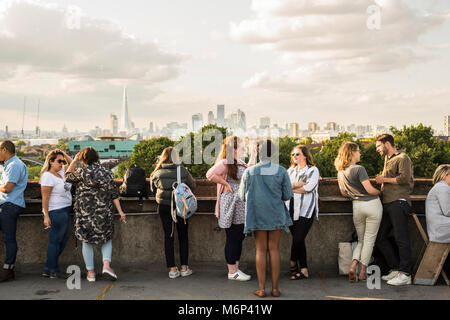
(162, 180)
(230, 209)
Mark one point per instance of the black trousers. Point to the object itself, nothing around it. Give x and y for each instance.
(395, 218)
(299, 231)
(182, 229)
(233, 244)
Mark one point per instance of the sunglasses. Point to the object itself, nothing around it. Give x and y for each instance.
(61, 161)
(296, 154)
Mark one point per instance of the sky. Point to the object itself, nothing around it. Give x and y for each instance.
(348, 61)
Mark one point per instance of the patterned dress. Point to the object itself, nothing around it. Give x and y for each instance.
(93, 207)
(232, 208)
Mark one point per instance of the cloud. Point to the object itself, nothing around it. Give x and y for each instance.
(48, 38)
(333, 33)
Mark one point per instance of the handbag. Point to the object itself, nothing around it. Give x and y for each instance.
(345, 257)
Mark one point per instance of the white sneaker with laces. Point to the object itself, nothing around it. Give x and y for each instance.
(390, 276)
(239, 275)
(400, 280)
(174, 274)
(187, 272)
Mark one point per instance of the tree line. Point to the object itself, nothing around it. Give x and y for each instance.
(425, 152)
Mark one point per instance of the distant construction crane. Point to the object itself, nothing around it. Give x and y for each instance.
(23, 116)
(38, 130)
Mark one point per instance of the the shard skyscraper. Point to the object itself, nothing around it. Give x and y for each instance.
(124, 119)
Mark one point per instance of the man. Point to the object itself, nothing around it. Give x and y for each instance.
(396, 186)
(12, 186)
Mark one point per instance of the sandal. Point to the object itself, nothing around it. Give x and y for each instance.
(352, 276)
(275, 293)
(295, 273)
(260, 293)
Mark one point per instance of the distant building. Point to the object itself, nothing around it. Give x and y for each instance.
(447, 126)
(241, 120)
(313, 127)
(124, 120)
(332, 126)
(264, 123)
(150, 128)
(107, 147)
(220, 115)
(211, 119)
(293, 129)
(113, 124)
(197, 122)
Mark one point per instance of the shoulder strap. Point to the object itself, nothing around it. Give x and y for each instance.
(179, 174)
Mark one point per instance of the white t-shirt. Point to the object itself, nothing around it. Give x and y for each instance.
(60, 197)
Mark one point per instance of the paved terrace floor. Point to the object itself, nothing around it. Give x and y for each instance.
(209, 282)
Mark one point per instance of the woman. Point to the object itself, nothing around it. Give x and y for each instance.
(437, 206)
(96, 191)
(161, 180)
(264, 187)
(230, 210)
(303, 207)
(367, 208)
(56, 207)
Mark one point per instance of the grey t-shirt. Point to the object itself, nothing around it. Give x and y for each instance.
(350, 179)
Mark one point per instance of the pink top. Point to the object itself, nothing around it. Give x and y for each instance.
(220, 169)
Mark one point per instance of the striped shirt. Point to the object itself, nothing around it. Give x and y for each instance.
(305, 204)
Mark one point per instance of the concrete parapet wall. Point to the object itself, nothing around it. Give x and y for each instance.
(141, 239)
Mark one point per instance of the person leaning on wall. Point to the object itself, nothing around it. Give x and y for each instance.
(354, 183)
(161, 181)
(56, 208)
(96, 192)
(12, 186)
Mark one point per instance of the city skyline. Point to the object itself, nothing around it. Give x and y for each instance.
(261, 57)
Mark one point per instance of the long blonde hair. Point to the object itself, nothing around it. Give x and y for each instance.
(165, 157)
(441, 172)
(50, 158)
(345, 155)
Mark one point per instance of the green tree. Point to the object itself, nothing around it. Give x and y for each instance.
(425, 152)
(144, 155)
(371, 160)
(20, 143)
(34, 172)
(286, 144)
(324, 160)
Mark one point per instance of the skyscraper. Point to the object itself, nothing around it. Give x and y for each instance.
(197, 122)
(124, 120)
(313, 127)
(241, 120)
(264, 123)
(220, 115)
(211, 119)
(293, 129)
(113, 124)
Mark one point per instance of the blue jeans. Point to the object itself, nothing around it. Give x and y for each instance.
(8, 223)
(88, 253)
(58, 237)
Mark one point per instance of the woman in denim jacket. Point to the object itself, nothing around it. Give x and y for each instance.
(265, 187)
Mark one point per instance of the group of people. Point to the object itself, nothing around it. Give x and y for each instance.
(260, 198)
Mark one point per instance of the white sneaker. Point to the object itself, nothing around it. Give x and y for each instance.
(390, 276)
(187, 272)
(174, 274)
(239, 275)
(400, 280)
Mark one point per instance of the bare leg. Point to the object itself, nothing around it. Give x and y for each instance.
(261, 257)
(274, 252)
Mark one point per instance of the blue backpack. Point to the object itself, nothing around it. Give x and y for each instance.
(184, 199)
